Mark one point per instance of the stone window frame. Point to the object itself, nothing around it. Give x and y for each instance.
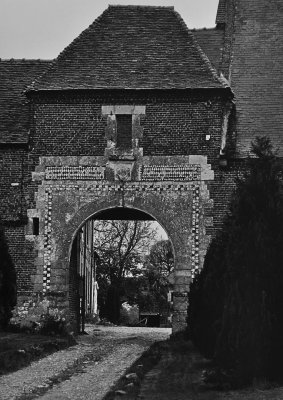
(33, 227)
(110, 111)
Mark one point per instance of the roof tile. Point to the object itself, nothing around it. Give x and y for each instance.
(221, 12)
(15, 75)
(132, 47)
(211, 41)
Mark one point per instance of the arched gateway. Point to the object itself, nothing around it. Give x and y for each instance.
(137, 121)
(175, 195)
(85, 261)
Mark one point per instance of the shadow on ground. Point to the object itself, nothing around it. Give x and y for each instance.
(17, 350)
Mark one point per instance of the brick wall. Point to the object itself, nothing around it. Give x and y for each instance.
(23, 254)
(13, 164)
(174, 123)
(221, 190)
(68, 129)
(11, 167)
(180, 128)
(252, 60)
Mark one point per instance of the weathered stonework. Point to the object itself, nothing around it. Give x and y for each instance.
(173, 190)
(75, 172)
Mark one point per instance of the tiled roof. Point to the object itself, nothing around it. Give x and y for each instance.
(132, 47)
(221, 12)
(211, 41)
(15, 75)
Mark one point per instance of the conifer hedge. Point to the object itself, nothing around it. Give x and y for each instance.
(7, 282)
(236, 302)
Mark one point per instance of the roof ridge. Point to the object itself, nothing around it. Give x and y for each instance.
(204, 57)
(203, 29)
(26, 59)
(139, 6)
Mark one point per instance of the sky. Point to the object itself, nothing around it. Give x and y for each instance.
(35, 29)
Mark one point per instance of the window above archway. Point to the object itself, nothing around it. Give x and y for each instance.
(123, 130)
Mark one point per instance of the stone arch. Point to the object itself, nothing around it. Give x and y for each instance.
(88, 212)
(91, 210)
(167, 212)
(70, 195)
(69, 229)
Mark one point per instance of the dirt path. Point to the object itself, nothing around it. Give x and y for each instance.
(85, 371)
(124, 346)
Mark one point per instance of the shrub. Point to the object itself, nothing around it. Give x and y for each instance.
(7, 282)
(52, 325)
(129, 314)
(92, 318)
(250, 339)
(238, 297)
(206, 299)
(39, 317)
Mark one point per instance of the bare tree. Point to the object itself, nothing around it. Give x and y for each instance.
(121, 246)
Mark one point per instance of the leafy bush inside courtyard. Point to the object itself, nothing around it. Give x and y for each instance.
(236, 302)
(39, 318)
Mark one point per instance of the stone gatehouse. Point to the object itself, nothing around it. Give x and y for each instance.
(139, 114)
(173, 190)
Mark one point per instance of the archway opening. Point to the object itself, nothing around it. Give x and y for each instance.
(121, 269)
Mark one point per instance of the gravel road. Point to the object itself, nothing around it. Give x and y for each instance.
(85, 371)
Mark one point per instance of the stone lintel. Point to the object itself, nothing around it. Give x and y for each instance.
(33, 213)
(123, 109)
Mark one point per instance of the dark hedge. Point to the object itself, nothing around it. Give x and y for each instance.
(236, 302)
(7, 282)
